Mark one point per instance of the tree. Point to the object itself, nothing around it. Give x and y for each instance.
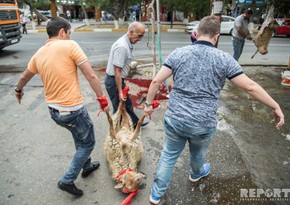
(282, 7)
(82, 3)
(34, 4)
(44, 4)
(199, 8)
(116, 8)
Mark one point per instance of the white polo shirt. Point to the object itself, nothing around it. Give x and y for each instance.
(121, 56)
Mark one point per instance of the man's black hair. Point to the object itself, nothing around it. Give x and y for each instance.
(55, 25)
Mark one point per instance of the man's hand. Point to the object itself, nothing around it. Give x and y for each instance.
(19, 96)
(121, 97)
(149, 109)
(104, 104)
(278, 115)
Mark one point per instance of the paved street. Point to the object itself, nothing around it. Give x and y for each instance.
(247, 153)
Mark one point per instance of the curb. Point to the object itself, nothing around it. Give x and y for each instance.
(102, 30)
(43, 30)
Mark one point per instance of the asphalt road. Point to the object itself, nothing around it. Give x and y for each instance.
(97, 45)
(248, 153)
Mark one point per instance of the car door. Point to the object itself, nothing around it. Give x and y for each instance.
(227, 24)
(285, 27)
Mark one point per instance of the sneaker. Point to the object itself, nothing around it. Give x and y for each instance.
(206, 171)
(154, 199)
(95, 165)
(70, 188)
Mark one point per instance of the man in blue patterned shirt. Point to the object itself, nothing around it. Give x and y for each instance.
(199, 73)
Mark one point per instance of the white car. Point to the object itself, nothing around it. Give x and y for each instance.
(227, 25)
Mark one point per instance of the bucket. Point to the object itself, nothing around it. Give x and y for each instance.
(285, 78)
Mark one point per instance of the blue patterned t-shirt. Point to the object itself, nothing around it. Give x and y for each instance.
(199, 74)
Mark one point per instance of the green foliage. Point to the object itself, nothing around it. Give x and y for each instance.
(91, 3)
(199, 8)
(116, 7)
(282, 7)
(38, 4)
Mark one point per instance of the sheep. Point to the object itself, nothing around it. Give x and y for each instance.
(123, 149)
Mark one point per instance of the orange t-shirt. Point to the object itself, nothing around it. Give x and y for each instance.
(56, 62)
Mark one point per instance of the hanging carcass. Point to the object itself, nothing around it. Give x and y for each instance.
(265, 33)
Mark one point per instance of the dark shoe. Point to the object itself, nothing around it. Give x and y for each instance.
(70, 188)
(95, 165)
(145, 122)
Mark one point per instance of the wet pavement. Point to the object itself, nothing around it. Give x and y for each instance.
(248, 152)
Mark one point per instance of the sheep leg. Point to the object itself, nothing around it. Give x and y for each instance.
(119, 116)
(111, 129)
(137, 129)
(125, 118)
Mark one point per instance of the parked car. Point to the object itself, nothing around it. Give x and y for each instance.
(284, 27)
(227, 25)
(47, 14)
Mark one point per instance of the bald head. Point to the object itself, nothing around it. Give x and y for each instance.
(136, 26)
(135, 32)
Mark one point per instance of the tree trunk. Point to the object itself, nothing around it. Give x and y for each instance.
(85, 14)
(116, 24)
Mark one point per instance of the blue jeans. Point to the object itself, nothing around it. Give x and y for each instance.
(238, 46)
(81, 127)
(112, 91)
(176, 135)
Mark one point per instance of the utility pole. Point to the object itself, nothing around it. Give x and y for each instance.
(158, 20)
(152, 21)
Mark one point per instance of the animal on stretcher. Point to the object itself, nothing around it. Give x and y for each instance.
(123, 149)
(265, 33)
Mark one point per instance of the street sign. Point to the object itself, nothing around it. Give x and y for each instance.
(217, 7)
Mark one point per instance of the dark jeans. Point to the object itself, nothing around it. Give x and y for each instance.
(112, 91)
(81, 127)
(238, 46)
(24, 30)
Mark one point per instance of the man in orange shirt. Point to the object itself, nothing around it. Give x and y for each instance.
(56, 62)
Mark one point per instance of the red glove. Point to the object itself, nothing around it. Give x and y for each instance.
(125, 91)
(155, 104)
(103, 102)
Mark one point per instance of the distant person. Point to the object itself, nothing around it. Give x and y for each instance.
(104, 16)
(68, 15)
(56, 62)
(39, 20)
(23, 22)
(118, 68)
(199, 74)
(240, 33)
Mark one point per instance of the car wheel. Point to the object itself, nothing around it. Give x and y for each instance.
(288, 36)
(273, 34)
(231, 32)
